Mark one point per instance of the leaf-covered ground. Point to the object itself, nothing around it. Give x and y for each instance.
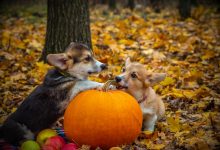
(188, 51)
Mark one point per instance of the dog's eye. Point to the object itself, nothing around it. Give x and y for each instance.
(133, 75)
(88, 58)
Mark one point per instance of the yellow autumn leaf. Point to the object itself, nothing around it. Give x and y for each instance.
(190, 84)
(180, 93)
(168, 81)
(179, 134)
(208, 54)
(174, 70)
(147, 132)
(156, 146)
(13, 109)
(173, 124)
(19, 44)
(5, 37)
(158, 44)
(126, 42)
(42, 67)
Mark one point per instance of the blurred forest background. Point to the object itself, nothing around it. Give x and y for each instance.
(180, 38)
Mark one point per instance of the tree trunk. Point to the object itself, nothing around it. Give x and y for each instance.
(102, 2)
(131, 4)
(156, 4)
(112, 4)
(185, 8)
(67, 21)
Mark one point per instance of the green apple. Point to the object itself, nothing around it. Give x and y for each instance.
(30, 145)
(44, 135)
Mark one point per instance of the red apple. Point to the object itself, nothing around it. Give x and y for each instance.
(48, 147)
(56, 141)
(70, 146)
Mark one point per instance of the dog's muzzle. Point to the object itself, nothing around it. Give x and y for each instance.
(120, 83)
(100, 65)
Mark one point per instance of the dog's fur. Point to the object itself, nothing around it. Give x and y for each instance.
(137, 81)
(47, 103)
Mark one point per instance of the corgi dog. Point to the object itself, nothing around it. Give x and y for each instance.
(137, 81)
(48, 101)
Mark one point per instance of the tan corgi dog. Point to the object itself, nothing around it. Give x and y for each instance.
(138, 81)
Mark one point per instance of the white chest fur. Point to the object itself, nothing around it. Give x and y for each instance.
(146, 110)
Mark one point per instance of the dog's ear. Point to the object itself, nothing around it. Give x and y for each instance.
(155, 78)
(72, 43)
(127, 62)
(58, 60)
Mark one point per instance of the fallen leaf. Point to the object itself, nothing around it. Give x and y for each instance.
(173, 124)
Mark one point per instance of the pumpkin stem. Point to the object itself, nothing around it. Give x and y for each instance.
(107, 85)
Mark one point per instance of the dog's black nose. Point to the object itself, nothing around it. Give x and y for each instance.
(103, 66)
(118, 79)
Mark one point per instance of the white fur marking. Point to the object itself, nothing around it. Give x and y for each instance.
(82, 86)
(63, 105)
(150, 123)
(98, 64)
(146, 110)
(28, 134)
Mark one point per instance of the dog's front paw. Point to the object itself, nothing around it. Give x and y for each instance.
(98, 86)
(112, 87)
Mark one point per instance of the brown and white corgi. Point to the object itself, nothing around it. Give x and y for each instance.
(48, 101)
(138, 81)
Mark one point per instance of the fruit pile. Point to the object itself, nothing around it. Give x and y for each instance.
(48, 139)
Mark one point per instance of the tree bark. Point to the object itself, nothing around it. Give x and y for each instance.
(67, 21)
(185, 8)
(131, 4)
(112, 4)
(103, 2)
(156, 5)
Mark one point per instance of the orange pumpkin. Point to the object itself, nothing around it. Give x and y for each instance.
(103, 119)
